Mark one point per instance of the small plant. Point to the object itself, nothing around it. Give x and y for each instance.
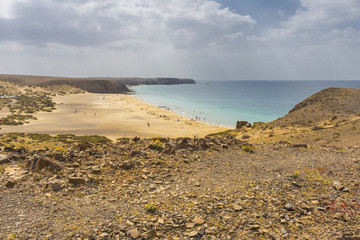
(248, 148)
(151, 207)
(350, 207)
(156, 145)
(60, 150)
(341, 151)
(295, 175)
(12, 236)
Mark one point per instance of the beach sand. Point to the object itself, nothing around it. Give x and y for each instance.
(114, 116)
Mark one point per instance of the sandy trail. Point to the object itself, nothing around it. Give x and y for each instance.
(114, 116)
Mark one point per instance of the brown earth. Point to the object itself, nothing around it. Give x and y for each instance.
(180, 189)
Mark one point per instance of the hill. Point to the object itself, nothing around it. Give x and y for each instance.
(330, 117)
(334, 105)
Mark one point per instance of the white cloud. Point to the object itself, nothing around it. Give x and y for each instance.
(181, 38)
(94, 22)
(7, 8)
(318, 17)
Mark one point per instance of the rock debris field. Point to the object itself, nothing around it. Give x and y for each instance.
(211, 188)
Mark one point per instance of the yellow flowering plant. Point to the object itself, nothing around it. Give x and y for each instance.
(156, 145)
(60, 150)
(248, 148)
(151, 207)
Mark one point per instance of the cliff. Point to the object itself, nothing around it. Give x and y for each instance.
(155, 81)
(93, 85)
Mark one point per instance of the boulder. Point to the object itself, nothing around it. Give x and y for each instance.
(41, 163)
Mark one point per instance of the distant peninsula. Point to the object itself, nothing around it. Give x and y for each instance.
(93, 84)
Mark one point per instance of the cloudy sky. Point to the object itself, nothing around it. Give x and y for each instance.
(200, 39)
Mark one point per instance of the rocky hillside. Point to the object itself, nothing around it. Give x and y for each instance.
(211, 188)
(332, 104)
(330, 117)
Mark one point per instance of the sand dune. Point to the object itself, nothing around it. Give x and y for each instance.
(114, 116)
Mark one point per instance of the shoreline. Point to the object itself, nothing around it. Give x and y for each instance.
(113, 116)
(187, 115)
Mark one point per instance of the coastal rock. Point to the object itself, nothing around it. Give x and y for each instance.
(241, 124)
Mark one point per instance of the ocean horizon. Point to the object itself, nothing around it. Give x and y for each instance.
(225, 102)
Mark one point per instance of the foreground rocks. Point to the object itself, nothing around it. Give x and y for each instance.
(181, 189)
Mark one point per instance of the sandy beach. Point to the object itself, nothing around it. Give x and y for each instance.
(114, 116)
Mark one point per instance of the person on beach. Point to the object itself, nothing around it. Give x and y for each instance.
(148, 124)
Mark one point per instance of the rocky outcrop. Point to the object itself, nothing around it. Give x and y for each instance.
(241, 124)
(90, 85)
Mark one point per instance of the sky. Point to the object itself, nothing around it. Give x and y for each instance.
(199, 39)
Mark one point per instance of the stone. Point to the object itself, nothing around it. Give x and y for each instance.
(55, 185)
(161, 221)
(254, 227)
(198, 221)
(104, 235)
(10, 184)
(289, 207)
(133, 233)
(274, 236)
(193, 233)
(127, 165)
(4, 159)
(338, 186)
(15, 172)
(189, 225)
(76, 180)
(41, 163)
(237, 207)
(346, 217)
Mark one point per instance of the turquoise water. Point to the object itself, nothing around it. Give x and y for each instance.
(225, 102)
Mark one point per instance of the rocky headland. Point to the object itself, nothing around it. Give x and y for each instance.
(93, 85)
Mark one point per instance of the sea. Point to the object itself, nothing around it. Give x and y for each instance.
(225, 102)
